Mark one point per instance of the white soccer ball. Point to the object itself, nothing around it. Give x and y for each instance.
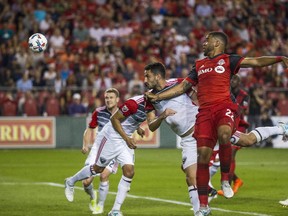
(37, 42)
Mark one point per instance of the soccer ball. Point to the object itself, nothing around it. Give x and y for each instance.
(37, 42)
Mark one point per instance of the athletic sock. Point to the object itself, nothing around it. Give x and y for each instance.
(202, 183)
(103, 191)
(225, 156)
(123, 188)
(213, 170)
(263, 133)
(232, 170)
(194, 198)
(90, 191)
(84, 173)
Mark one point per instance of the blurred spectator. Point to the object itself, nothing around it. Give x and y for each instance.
(57, 41)
(256, 102)
(25, 83)
(134, 82)
(76, 108)
(6, 33)
(102, 83)
(129, 71)
(282, 104)
(50, 76)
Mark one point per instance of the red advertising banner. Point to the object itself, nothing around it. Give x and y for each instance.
(28, 132)
(150, 140)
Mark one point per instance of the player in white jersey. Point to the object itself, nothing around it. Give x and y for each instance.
(115, 142)
(99, 118)
(180, 114)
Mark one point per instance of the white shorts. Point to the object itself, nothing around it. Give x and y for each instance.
(109, 149)
(189, 151)
(112, 166)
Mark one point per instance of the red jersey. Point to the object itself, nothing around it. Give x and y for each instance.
(213, 78)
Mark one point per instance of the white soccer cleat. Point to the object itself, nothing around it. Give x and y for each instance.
(203, 211)
(98, 210)
(115, 213)
(93, 202)
(227, 190)
(285, 130)
(284, 203)
(69, 191)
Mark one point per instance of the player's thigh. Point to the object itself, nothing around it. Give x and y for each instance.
(90, 160)
(126, 156)
(189, 151)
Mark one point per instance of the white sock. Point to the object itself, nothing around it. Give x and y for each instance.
(213, 170)
(194, 198)
(84, 173)
(90, 191)
(103, 191)
(123, 188)
(263, 133)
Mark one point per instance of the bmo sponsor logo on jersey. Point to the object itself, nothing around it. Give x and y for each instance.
(206, 70)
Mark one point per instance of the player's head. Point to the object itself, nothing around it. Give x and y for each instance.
(235, 81)
(153, 73)
(111, 97)
(214, 43)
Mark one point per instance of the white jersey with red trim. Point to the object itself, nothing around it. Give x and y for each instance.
(133, 109)
(186, 111)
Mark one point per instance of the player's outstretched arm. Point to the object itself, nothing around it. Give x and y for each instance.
(263, 61)
(154, 122)
(173, 92)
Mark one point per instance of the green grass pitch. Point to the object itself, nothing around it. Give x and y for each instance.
(27, 189)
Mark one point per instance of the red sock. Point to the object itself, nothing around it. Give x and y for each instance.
(202, 183)
(232, 170)
(225, 156)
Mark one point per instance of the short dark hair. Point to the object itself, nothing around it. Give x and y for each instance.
(221, 36)
(156, 68)
(113, 90)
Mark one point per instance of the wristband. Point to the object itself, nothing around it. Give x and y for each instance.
(278, 58)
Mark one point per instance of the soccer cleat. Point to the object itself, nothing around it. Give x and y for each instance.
(93, 202)
(237, 184)
(285, 130)
(98, 210)
(69, 191)
(212, 194)
(227, 190)
(284, 203)
(115, 213)
(203, 211)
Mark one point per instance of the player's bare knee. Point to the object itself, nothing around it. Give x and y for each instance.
(128, 172)
(224, 137)
(98, 169)
(86, 182)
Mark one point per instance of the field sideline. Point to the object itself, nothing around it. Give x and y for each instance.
(31, 183)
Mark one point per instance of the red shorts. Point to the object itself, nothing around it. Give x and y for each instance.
(209, 119)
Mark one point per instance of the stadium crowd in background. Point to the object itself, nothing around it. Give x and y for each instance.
(97, 44)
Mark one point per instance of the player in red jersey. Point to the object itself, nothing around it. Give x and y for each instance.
(217, 117)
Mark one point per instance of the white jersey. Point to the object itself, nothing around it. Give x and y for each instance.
(186, 111)
(133, 109)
